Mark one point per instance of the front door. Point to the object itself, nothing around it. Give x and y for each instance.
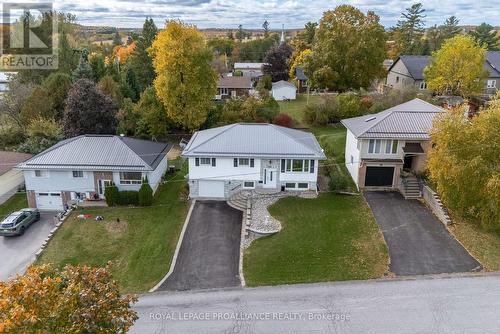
(408, 161)
(270, 177)
(101, 185)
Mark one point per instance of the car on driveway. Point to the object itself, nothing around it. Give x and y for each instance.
(17, 222)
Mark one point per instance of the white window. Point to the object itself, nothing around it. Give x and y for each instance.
(303, 185)
(233, 93)
(130, 178)
(41, 173)
(423, 85)
(391, 146)
(223, 91)
(243, 162)
(77, 173)
(249, 184)
(290, 185)
(374, 145)
(491, 84)
(205, 161)
(297, 165)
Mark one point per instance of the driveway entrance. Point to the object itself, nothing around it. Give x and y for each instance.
(418, 242)
(210, 251)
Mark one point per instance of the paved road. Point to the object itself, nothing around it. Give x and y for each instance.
(463, 305)
(210, 251)
(16, 252)
(418, 242)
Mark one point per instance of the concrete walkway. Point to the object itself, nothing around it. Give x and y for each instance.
(418, 242)
(210, 250)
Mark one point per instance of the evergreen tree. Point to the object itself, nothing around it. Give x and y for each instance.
(265, 25)
(117, 40)
(83, 70)
(486, 36)
(410, 29)
(140, 61)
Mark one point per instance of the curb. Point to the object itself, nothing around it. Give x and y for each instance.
(177, 248)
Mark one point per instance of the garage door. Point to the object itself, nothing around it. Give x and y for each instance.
(49, 201)
(211, 189)
(379, 176)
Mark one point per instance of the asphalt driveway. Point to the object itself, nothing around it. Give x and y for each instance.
(418, 242)
(210, 250)
(17, 252)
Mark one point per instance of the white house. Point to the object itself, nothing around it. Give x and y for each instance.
(284, 90)
(252, 70)
(247, 156)
(379, 146)
(79, 169)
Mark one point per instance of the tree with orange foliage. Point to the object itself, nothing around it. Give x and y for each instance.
(123, 52)
(71, 300)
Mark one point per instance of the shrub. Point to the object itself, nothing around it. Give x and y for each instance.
(128, 197)
(338, 181)
(145, 194)
(111, 194)
(283, 120)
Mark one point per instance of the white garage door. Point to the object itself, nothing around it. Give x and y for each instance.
(211, 189)
(49, 201)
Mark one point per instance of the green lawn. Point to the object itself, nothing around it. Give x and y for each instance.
(16, 202)
(141, 245)
(483, 244)
(332, 237)
(295, 108)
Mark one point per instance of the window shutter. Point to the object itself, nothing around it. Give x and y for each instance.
(213, 162)
(252, 163)
(311, 170)
(235, 162)
(283, 161)
(197, 161)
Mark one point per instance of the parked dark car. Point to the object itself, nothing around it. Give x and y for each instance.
(17, 222)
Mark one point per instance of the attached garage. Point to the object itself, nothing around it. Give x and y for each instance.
(49, 201)
(379, 176)
(211, 188)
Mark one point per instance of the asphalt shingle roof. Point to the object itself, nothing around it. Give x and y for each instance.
(235, 82)
(299, 74)
(493, 61)
(100, 152)
(409, 120)
(249, 139)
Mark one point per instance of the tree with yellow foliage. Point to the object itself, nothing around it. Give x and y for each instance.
(185, 82)
(298, 61)
(71, 300)
(465, 163)
(457, 68)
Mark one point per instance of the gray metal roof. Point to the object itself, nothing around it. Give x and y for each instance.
(100, 152)
(300, 75)
(251, 139)
(409, 120)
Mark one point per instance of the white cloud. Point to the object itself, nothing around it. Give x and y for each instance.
(251, 13)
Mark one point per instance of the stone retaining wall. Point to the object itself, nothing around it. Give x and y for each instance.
(431, 198)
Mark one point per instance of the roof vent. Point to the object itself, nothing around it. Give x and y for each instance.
(370, 119)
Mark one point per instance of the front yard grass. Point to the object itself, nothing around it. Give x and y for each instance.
(16, 202)
(332, 237)
(483, 244)
(295, 108)
(140, 245)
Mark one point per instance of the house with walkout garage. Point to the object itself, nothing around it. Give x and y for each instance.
(388, 150)
(240, 156)
(78, 169)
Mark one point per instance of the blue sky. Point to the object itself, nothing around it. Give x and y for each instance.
(292, 13)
